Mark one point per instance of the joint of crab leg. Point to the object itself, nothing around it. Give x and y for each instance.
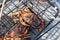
(19, 9)
(26, 10)
(13, 14)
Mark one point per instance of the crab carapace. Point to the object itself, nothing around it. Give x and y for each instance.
(18, 32)
(27, 18)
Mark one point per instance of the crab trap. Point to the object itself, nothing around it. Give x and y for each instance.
(46, 10)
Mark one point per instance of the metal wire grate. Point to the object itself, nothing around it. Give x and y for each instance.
(45, 10)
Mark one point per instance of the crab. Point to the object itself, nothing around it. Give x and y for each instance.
(25, 20)
(18, 32)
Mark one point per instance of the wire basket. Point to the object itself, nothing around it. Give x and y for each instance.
(46, 10)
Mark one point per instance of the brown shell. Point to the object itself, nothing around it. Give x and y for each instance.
(31, 19)
(27, 18)
(17, 31)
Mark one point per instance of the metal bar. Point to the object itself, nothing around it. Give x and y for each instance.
(14, 4)
(47, 24)
(46, 31)
(43, 29)
(54, 7)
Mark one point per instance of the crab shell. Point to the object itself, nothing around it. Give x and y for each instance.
(1, 38)
(27, 18)
(17, 32)
(30, 19)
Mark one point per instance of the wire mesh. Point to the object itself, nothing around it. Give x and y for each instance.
(45, 10)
